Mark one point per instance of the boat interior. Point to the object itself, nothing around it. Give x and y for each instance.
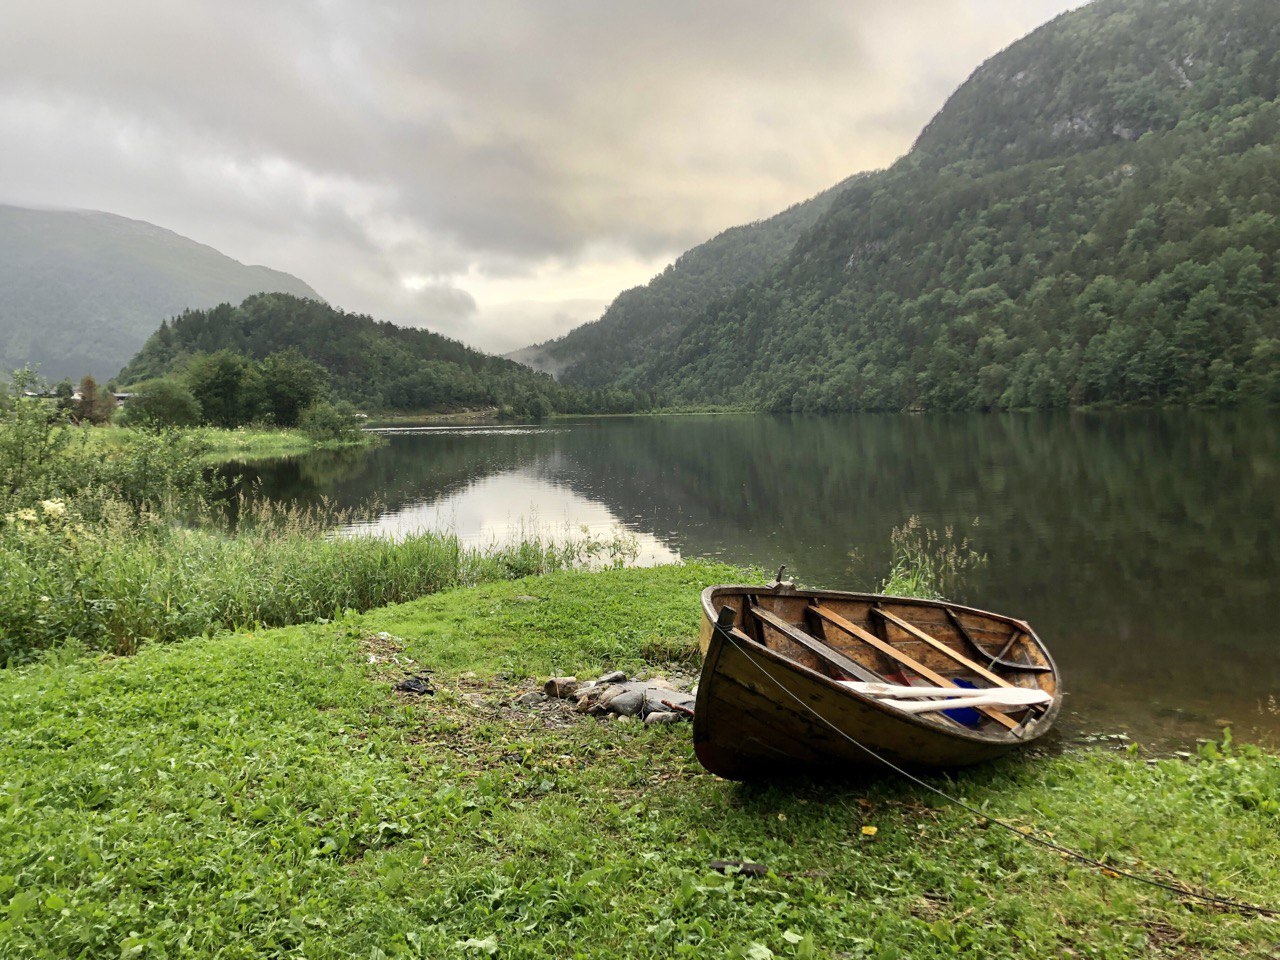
(948, 665)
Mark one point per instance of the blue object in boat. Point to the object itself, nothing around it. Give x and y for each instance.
(965, 715)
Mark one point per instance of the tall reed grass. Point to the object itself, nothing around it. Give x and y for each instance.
(930, 564)
(119, 582)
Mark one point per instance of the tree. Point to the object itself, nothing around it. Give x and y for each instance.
(64, 397)
(330, 422)
(222, 384)
(290, 383)
(31, 442)
(165, 402)
(95, 405)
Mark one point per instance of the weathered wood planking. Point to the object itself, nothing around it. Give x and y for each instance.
(907, 661)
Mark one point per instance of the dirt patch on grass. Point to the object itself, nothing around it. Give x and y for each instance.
(383, 649)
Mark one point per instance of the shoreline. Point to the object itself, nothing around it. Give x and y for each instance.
(241, 444)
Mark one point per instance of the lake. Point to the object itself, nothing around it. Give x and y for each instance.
(1142, 546)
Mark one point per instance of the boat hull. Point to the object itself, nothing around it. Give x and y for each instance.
(762, 715)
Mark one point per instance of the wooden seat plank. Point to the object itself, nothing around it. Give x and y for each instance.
(819, 649)
(941, 647)
(999, 658)
(903, 658)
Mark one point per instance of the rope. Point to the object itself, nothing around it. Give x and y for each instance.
(1230, 903)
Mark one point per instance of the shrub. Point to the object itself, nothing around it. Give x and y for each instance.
(33, 445)
(165, 402)
(330, 422)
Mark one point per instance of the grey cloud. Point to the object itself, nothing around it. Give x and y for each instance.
(436, 302)
(357, 144)
(520, 323)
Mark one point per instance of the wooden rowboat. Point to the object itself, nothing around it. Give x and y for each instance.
(822, 682)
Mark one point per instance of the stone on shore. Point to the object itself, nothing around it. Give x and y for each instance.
(663, 718)
(662, 699)
(624, 699)
(613, 695)
(561, 687)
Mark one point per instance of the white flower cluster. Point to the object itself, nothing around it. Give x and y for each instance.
(50, 510)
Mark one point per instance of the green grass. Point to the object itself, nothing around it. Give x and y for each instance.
(241, 444)
(414, 418)
(260, 444)
(115, 585)
(266, 794)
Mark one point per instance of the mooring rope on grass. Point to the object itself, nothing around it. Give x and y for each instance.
(1230, 903)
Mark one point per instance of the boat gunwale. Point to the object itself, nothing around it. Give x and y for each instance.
(1001, 737)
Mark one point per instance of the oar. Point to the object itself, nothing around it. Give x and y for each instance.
(1001, 696)
(984, 699)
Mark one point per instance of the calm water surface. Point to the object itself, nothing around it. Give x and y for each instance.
(1142, 546)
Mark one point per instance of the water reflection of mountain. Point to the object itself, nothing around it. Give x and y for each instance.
(1149, 498)
(1143, 545)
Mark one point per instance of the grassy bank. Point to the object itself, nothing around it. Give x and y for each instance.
(243, 443)
(268, 794)
(111, 539)
(426, 418)
(116, 584)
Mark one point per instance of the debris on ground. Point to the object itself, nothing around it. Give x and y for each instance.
(417, 683)
(380, 648)
(743, 868)
(654, 700)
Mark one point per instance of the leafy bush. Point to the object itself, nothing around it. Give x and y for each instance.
(166, 402)
(33, 445)
(330, 422)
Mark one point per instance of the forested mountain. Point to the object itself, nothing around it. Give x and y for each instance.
(81, 290)
(373, 364)
(649, 319)
(1092, 217)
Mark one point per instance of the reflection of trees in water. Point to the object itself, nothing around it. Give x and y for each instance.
(1156, 494)
(1142, 544)
(407, 470)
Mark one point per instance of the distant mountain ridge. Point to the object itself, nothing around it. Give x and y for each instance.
(81, 290)
(651, 318)
(1093, 216)
(374, 364)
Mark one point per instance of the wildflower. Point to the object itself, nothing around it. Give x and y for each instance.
(44, 598)
(870, 831)
(27, 515)
(54, 509)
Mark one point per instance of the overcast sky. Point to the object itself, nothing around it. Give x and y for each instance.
(497, 171)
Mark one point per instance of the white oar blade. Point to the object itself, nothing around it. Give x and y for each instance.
(926, 699)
